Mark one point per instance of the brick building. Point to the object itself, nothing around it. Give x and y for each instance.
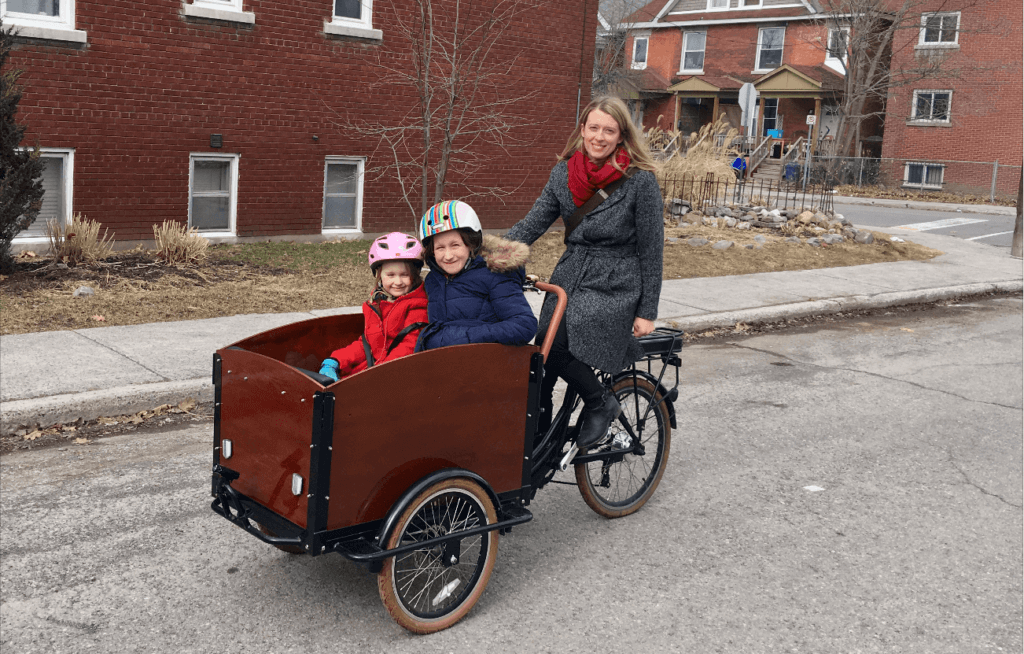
(973, 114)
(235, 115)
(695, 55)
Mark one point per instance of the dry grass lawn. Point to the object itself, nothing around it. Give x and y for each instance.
(133, 287)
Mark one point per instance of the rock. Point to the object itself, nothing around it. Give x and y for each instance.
(722, 245)
(679, 209)
(815, 242)
(839, 218)
(831, 239)
(84, 291)
(749, 246)
(760, 238)
(793, 239)
(849, 233)
(673, 240)
(750, 215)
(725, 212)
(867, 238)
(775, 212)
(806, 218)
(698, 241)
(61, 265)
(710, 222)
(778, 219)
(730, 222)
(743, 225)
(816, 229)
(757, 209)
(790, 213)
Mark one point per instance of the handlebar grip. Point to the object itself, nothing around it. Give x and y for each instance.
(556, 317)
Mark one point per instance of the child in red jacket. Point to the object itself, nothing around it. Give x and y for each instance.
(396, 312)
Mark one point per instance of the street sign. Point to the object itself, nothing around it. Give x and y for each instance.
(811, 118)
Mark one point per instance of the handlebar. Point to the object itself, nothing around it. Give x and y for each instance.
(556, 317)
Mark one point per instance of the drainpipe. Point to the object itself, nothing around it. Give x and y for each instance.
(583, 43)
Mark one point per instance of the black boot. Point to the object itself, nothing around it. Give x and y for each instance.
(597, 421)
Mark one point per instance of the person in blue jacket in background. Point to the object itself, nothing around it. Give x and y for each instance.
(475, 286)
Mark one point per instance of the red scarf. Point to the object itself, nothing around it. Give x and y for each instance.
(585, 178)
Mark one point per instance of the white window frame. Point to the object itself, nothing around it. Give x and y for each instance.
(682, 57)
(360, 163)
(646, 38)
(230, 11)
(758, 4)
(837, 64)
(50, 28)
(68, 155)
(232, 181)
(914, 118)
(924, 185)
(712, 7)
(361, 27)
(760, 36)
(955, 43)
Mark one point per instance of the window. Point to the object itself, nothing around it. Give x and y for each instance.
(718, 4)
(213, 185)
(769, 48)
(53, 20)
(343, 194)
(640, 50)
(939, 29)
(923, 175)
(693, 52)
(353, 18)
(835, 53)
(57, 167)
(226, 10)
(771, 115)
(931, 106)
(751, 3)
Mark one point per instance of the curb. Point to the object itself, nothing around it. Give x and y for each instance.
(107, 402)
(836, 305)
(132, 399)
(927, 206)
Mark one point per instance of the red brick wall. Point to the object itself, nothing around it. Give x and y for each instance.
(150, 86)
(986, 117)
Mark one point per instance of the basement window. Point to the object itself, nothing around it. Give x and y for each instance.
(343, 194)
(224, 10)
(57, 187)
(353, 18)
(50, 20)
(212, 193)
(923, 175)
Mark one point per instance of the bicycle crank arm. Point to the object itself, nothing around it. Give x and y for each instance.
(564, 464)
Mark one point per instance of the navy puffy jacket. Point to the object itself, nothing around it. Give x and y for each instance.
(482, 304)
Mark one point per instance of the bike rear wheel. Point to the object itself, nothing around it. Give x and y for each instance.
(618, 488)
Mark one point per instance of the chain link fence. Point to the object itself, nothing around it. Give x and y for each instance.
(987, 179)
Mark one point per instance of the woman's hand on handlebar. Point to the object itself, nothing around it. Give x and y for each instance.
(642, 327)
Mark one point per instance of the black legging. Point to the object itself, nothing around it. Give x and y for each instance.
(578, 375)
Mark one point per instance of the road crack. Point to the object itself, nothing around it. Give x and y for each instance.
(119, 353)
(970, 482)
(874, 374)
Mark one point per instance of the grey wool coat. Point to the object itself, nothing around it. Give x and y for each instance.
(611, 269)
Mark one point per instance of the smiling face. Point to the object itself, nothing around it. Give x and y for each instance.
(601, 136)
(395, 278)
(450, 252)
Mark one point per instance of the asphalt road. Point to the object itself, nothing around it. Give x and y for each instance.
(846, 487)
(989, 229)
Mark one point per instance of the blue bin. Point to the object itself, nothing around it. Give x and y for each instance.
(791, 172)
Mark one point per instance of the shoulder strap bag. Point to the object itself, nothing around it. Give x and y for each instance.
(599, 196)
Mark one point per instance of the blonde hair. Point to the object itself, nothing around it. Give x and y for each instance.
(632, 138)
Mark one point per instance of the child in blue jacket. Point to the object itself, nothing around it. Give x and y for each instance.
(475, 285)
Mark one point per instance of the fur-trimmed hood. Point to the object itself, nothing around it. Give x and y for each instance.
(502, 255)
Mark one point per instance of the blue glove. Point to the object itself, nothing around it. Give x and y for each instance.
(329, 368)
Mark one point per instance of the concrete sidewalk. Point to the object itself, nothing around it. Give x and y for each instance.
(52, 377)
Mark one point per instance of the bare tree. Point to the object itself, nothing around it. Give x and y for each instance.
(453, 58)
(612, 72)
(875, 42)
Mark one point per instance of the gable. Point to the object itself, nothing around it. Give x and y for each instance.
(787, 80)
(693, 85)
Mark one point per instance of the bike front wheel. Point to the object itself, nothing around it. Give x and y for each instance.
(616, 488)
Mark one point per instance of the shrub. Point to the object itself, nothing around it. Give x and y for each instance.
(78, 241)
(179, 245)
(21, 171)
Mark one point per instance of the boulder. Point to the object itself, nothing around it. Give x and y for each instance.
(805, 218)
(730, 222)
(760, 238)
(722, 245)
(743, 225)
(84, 291)
(698, 241)
(814, 242)
(793, 239)
(867, 238)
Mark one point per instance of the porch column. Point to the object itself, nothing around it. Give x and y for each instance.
(760, 116)
(714, 112)
(675, 120)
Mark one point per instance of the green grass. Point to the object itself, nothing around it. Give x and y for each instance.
(297, 257)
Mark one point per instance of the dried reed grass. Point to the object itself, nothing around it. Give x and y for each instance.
(703, 156)
(79, 241)
(177, 245)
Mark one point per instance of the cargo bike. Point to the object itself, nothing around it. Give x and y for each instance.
(418, 491)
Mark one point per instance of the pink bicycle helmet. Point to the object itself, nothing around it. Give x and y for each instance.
(395, 246)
